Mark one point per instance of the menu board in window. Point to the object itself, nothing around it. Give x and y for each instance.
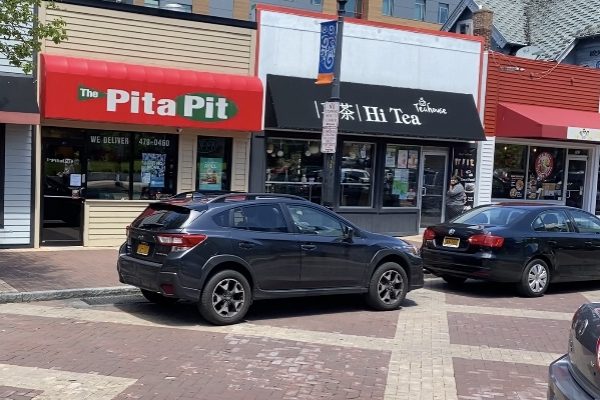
(464, 166)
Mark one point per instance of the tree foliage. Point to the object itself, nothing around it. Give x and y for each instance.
(22, 32)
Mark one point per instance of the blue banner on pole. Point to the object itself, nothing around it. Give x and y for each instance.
(327, 52)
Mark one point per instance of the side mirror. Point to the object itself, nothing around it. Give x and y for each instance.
(348, 233)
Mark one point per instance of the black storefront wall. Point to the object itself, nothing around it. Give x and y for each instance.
(379, 114)
(18, 94)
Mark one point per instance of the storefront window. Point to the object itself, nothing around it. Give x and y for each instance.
(401, 180)
(154, 165)
(108, 155)
(546, 173)
(294, 167)
(356, 174)
(214, 164)
(510, 174)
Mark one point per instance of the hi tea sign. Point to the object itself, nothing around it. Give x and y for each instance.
(331, 121)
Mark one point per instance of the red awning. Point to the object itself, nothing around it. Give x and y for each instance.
(525, 121)
(103, 91)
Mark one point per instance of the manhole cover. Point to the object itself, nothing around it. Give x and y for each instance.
(123, 299)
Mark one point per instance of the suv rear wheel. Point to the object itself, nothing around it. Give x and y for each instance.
(225, 298)
(158, 298)
(388, 287)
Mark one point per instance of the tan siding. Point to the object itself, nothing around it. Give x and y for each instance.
(200, 6)
(187, 169)
(106, 221)
(241, 164)
(241, 9)
(330, 6)
(150, 40)
(138, 2)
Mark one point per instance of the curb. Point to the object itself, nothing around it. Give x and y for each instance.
(44, 295)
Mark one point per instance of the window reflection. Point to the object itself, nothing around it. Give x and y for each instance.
(214, 164)
(401, 180)
(155, 166)
(108, 165)
(510, 175)
(355, 175)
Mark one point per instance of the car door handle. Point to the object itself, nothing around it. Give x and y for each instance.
(552, 242)
(308, 247)
(588, 244)
(246, 245)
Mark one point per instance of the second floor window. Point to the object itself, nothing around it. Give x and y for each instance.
(443, 12)
(420, 10)
(388, 7)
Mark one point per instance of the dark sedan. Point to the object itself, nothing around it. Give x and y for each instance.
(576, 375)
(531, 245)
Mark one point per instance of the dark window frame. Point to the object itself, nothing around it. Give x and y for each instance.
(227, 158)
(2, 171)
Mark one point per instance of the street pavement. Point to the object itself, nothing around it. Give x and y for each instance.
(479, 342)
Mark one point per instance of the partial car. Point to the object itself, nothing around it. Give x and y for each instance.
(576, 375)
(531, 245)
(225, 251)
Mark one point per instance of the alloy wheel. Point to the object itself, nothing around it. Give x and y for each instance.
(228, 297)
(390, 286)
(537, 278)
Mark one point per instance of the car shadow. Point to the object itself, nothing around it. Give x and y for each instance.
(484, 289)
(185, 313)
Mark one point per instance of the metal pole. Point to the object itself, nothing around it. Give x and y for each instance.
(329, 159)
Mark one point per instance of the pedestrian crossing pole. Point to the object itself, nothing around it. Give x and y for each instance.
(329, 159)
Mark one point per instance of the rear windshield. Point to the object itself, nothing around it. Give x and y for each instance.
(500, 216)
(161, 216)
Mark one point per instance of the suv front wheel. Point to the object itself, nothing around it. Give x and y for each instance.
(388, 287)
(225, 298)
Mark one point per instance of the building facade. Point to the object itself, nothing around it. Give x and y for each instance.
(137, 105)
(542, 126)
(406, 123)
(18, 116)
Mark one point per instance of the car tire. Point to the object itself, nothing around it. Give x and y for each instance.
(226, 298)
(388, 287)
(158, 298)
(454, 281)
(535, 279)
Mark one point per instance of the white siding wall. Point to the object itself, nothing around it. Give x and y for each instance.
(17, 186)
(186, 175)
(485, 171)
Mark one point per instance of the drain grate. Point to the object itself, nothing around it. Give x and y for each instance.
(122, 299)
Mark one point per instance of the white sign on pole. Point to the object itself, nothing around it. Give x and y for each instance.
(331, 121)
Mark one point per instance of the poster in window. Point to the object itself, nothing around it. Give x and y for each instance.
(400, 185)
(413, 159)
(209, 173)
(390, 157)
(153, 169)
(402, 158)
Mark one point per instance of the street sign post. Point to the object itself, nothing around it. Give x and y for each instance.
(331, 123)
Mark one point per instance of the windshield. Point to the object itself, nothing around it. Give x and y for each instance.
(501, 216)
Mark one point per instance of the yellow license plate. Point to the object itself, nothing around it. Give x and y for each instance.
(451, 242)
(143, 249)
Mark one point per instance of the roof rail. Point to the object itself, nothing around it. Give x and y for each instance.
(201, 194)
(253, 196)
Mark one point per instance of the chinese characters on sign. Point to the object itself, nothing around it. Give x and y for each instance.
(362, 113)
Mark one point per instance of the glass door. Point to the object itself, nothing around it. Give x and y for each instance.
(433, 189)
(62, 185)
(575, 187)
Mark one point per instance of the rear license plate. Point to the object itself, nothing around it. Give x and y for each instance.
(143, 249)
(451, 242)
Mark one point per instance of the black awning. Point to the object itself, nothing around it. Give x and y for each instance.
(18, 94)
(296, 104)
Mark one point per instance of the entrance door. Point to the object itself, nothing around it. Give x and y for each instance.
(435, 177)
(575, 187)
(62, 184)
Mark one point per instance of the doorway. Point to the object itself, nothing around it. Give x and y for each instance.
(575, 187)
(62, 187)
(433, 188)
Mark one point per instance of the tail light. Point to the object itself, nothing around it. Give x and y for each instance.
(128, 234)
(181, 241)
(429, 234)
(487, 241)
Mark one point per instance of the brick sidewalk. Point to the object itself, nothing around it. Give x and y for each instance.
(47, 269)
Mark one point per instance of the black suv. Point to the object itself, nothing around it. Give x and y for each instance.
(225, 251)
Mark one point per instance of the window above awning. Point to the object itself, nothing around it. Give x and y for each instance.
(105, 91)
(537, 122)
(18, 100)
(297, 104)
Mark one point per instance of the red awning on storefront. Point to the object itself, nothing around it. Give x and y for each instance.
(103, 91)
(536, 122)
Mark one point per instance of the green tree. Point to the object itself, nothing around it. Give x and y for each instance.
(22, 33)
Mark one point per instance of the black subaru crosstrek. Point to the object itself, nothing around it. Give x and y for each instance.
(225, 251)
